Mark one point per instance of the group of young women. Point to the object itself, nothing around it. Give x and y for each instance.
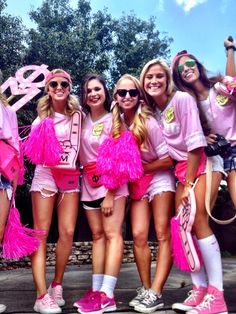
(170, 127)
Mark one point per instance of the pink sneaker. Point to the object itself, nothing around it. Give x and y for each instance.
(93, 305)
(213, 303)
(84, 299)
(107, 304)
(194, 298)
(46, 305)
(98, 304)
(56, 294)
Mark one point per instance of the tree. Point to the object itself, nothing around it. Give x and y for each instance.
(12, 37)
(70, 39)
(136, 42)
(82, 42)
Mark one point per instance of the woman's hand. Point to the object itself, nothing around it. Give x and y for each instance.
(107, 205)
(185, 195)
(211, 139)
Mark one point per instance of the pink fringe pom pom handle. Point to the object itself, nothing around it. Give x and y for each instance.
(185, 251)
(19, 241)
(119, 161)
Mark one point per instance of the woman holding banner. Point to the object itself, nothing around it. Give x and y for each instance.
(178, 116)
(53, 146)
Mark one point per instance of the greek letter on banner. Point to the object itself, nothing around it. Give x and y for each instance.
(20, 85)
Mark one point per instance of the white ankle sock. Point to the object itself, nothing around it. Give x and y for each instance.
(97, 280)
(108, 285)
(212, 260)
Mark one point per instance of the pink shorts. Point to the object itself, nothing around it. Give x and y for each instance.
(43, 180)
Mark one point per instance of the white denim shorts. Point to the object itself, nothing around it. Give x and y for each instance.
(43, 180)
(217, 164)
(163, 181)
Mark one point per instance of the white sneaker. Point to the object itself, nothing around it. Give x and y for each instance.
(56, 294)
(46, 305)
(2, 308)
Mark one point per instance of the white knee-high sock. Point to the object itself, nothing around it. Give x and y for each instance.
(199, 277)
(97, 280)
(210, 250)
(108, 285)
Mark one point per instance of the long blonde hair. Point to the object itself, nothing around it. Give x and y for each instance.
(3, 99)
(139, 124)
(166, 69)
(45, 108)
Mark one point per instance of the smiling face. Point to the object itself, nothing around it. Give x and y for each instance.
(95, 94)
(127, 95)
(188, 69)
(59, 89)
(155, 81)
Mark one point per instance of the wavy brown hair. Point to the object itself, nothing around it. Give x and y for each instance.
(183, 86)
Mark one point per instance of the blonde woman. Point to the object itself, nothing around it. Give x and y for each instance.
(156, 200)
(47, 192)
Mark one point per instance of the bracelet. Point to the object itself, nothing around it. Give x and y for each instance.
(189, 183)
(231, 47)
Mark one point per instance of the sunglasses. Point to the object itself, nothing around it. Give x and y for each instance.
(189, 63)
(182, 52)
(63, 84)
(132, 92)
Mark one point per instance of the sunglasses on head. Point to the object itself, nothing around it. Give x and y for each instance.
(123, 92)
(63, 84)
(190, 63)
(182, 52)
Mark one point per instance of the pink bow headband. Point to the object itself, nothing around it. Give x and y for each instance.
(61, 74)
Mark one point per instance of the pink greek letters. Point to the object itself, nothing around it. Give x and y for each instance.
(24, 83)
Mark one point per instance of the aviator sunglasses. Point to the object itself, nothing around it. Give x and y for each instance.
(190, 63)
(123, 92)
(63, 84)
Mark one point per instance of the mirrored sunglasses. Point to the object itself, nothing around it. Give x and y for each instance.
(63, 84)
(189, 63)
(132, 92)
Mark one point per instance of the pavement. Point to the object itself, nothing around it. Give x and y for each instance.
(17, 289)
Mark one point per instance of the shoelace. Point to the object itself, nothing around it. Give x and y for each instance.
(47, 300)
(192, 295)
(58, 292)
(150, 297)
(206, 302)
(142, 292)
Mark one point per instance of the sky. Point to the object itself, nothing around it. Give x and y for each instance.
(199, 26)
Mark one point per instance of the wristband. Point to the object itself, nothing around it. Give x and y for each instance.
(189, 183)
(231, 47)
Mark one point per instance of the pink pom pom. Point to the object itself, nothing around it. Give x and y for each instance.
(177, 247)
(42, 145)
(185, 251)
(119, 161)
(19, 241)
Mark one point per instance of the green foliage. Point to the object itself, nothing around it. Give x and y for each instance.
(12, 47)
(81, 41)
